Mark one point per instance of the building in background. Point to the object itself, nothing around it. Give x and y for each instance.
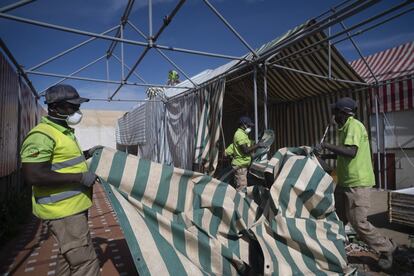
(98, 128)
(394, 71)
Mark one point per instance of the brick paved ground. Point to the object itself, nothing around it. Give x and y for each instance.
(34, 251)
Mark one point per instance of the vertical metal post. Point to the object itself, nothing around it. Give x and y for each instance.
(378, 140)
(121, 27)
(165, 134)
(256, 127)
(107, 75)
(385, 152)
(150, 20)
(329, 55)
(265, 96)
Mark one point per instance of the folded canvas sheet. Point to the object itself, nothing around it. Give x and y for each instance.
(179, 222)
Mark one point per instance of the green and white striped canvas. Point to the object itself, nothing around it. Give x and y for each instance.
(179, 222)
(208, 131)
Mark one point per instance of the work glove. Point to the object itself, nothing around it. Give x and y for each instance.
(91, 151)
(88, 179)
(318, 148)
(260, 145)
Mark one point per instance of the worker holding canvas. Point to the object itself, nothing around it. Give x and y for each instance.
(355, 179)
(241, 150)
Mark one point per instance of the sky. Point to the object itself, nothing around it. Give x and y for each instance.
(195, 27)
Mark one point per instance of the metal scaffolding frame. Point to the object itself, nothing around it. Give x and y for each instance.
(324, 22)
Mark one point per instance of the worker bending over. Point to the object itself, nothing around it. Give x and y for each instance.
(55, 167)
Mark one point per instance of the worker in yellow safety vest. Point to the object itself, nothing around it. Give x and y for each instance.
(241, 151)
(55, 166)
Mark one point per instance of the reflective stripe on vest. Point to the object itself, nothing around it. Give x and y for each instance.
(60, 196)
(68, 163)
(58, 201)
(64, 195)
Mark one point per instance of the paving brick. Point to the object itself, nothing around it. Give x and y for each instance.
(34, 251)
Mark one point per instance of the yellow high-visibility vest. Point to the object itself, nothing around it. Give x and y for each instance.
(52, 202)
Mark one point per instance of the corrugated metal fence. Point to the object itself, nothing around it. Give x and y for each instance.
(19, 112)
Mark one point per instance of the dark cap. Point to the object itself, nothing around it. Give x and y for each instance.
(346, 104)
(246, 121)
(63, 93)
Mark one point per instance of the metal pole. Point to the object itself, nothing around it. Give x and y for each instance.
(318, 76)
(166, 21)
(104, 81)
(136, 29)
(329, 55)
(150, 22)
(385, 153)
(256, 121)
(73, 73)
(129, 68)
(337, 34)
(15, 5)
(176, 66)
(121, 100)
(124, 19)
(166, 57)
(107, 76)
(378, 140)
(69, 50)
(122, 54)
(230, 27)
(265, 96)
(127, 41)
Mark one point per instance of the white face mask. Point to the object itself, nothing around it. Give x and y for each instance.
(248, 130)
(72, 119)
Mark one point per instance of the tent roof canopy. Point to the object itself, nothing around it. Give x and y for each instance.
(386, 65)
(293, 72)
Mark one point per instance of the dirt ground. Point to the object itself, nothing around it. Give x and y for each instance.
(366, 260)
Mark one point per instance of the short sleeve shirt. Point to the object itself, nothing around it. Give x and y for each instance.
(239, 158)
(38, 147)
(357, 171)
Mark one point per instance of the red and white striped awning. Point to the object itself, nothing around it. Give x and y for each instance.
(394, 69)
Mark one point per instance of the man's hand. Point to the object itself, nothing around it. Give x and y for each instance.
(318, 148)
(88, 179)
(89, 153)
(260, 145)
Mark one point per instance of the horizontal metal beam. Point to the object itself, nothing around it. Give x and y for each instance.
(15, 5)
(70, 49)
(111, 38)
(103, 81)
(73, 73)
(122, 100)
(318, 76)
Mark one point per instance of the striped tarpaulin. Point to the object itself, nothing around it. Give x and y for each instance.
(394, 95)
(179, 222)
(394, 70)
(208, 132)
(386, 65)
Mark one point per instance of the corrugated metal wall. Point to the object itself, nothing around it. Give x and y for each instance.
(18, 114)
(9, 119)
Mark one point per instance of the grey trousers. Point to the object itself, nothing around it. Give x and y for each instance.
(352, 205)
(240, 175)
(77, 255)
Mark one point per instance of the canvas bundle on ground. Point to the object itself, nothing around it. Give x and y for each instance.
(179, 222)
